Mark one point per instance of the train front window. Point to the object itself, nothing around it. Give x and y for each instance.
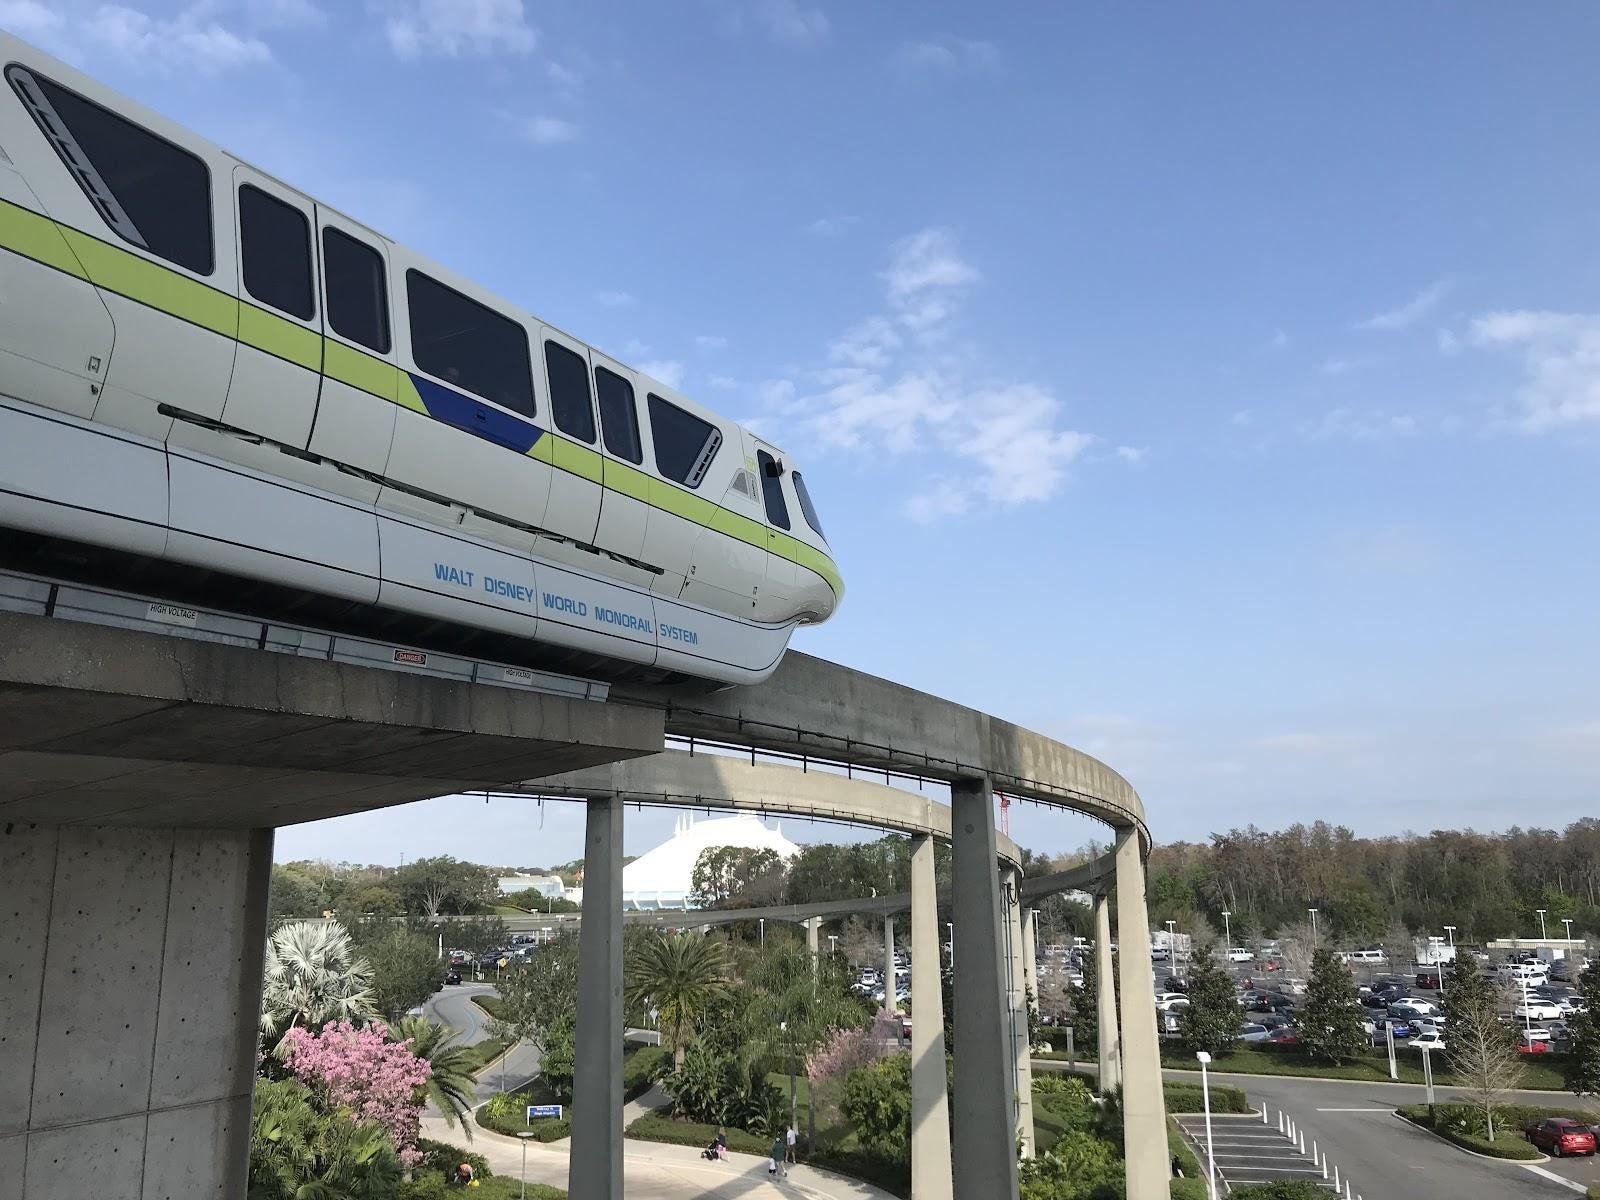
(806, 506)
(468, 344)
(771, 473)
(153, 194)
(685, 445)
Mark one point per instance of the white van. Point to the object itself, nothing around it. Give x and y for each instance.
(1240, 954)
(1365, 956)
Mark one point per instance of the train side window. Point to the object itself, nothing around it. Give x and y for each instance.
(685, 445)
(806, 507)
(469, 344)
(619, 419)
(358, 292)
(275, 245)
(570, 404)
(153, 193)
(772, 489)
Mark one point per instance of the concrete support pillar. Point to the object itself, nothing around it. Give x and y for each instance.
(1144, 1114)
(595, 1170)
(1021, 1051)
(891, 1002)
(130, 996)
(1106, 999)
(813, 928)
(930, 1107)
(985, 1158)
(1030, 958)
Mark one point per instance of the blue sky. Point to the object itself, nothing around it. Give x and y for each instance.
(1215, 387)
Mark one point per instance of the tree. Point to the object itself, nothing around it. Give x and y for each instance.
(536, 999)
(1483, 1054)
(1296, 944)
(1466, 991)
(1331, 1028)
(1399, 947)
(1086, 1005)
(298, 1151)
(292, 893)
(431, 886)
(1583, 1063)
(450, 1086)
(1356, 916)
(877, 1104)
(311, 977)
(405, 970)
(723, 874)
(1210, 1022)
(363, 1071)
(374, 900)
(679, 976)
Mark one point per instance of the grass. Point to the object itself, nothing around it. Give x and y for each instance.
(481, 1054)
(1183, 1158)
(639, 1063)
(1461, 1124)
(493, 1005)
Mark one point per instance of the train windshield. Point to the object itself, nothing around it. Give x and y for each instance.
(806, 506)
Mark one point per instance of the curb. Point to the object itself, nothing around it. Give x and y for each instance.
(1494, 1158)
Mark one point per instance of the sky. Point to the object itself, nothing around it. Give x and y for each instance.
(1214, 387)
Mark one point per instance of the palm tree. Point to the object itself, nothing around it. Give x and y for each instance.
(299, 1153)
(680, 976)
(311, 977)
(450, 1087)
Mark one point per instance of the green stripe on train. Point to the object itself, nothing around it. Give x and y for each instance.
(109, 266)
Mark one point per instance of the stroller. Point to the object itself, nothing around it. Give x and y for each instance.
(717, 1149)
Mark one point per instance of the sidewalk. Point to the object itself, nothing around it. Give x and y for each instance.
(657, 1171)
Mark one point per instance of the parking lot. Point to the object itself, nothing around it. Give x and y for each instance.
(1247, 1151)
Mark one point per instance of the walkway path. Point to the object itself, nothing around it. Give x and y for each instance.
(656, 1171)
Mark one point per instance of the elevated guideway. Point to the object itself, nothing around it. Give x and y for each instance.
(147, 751)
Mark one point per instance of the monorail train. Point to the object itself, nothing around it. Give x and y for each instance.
(211, 381)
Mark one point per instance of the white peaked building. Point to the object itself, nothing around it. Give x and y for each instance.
(660, 878)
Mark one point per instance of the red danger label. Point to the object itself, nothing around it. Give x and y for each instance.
(412, 658)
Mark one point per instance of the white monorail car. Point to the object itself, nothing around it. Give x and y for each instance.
(211, 381)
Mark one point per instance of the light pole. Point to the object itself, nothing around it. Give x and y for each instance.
(1567, 921)
(1172, 949)
(523, 1137)
(1227, 930)
(763, 923)
(833, 943)
(1541, 912)
(1313, 913)
(1451, 931)
(950, 928)
(1205, 1095)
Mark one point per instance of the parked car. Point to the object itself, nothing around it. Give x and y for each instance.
(1399, 1026)
(1558, 1136)
(1564, 970)
(1412, 1009)
(1251, 1032)
(1533, 1041)
(452, 976)
(1284, 1035)
(1571, 1004)
(1274, 1021)
(1240, 954)
(1427, 1039)
(1537, 1010)
(1428, 979)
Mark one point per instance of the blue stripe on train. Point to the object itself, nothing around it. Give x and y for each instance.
(474, 416)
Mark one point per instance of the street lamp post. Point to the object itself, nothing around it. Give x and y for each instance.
(833, 943)
(762, 921)
(1172, 949)
(1541, 912)
(1205, 1095)
(1567, 921)
(1227, 930)
(523, 1137)
(1313, 913)
(950, 928)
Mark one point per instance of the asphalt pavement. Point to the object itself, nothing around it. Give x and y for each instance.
(454, 1007)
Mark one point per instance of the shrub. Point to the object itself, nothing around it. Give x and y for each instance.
(1079, 1165)
(508, 1113)
(1463, 1125)
(719, 1089)
(877, 1103)
(1297, 1189)
(1060, 1085)
(1189, 1189)
(1189, 1098)
(443, 1157)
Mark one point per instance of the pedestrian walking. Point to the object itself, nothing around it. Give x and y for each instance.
(791, 1137)
(776, 1167)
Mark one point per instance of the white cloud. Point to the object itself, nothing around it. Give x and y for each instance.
(457, 28)
(724, 383)
(791, 22)
(29, 19)
(924, 262)
(1131, 454)
(830, 226)
(1364, 425)
(1561, 361)
(666, 370)
(188, 41)
(948, 55)
(710, 341)
(776, 393)
(1409, 313)
(1011, 433)
(869, 343)
(547, 131)
(633, 347)
(620, 300)
(941, 500)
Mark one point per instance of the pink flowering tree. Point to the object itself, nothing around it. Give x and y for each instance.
(826, 1068)
(361, 1070)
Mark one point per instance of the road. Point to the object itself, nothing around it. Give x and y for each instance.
(454, 1007)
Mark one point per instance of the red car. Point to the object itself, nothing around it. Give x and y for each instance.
(1534, 1045)
(1285, 1035)
(1561, 1135)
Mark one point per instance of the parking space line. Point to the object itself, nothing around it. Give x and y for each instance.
(1551, 1175)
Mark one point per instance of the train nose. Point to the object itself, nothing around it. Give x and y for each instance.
(817, 597)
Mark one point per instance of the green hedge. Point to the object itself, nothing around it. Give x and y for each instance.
(1188, 1188)
(1287, 1189)
(639, 1063)
(442, 1157)
(1460, 1123)
(1190, 1098)
(657, 1127)
(508, 1113)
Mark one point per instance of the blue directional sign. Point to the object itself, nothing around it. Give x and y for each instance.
(543, 1110)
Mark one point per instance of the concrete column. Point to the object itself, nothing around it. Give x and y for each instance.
(985, 1162)
(1030, 958)
(930, 1107)
(813, 927)
(1106, 999)
(595, 1169)
(130, 994)
(891, 1002)
(1144, 1114)
(1022, 1059)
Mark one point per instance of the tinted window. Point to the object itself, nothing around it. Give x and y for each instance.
(469, 345)
(619, 419)
(685, 445)
(275, 246)
(772, 489)
(809, 509)
(358, 292)
(569, 391)
(152, 193)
